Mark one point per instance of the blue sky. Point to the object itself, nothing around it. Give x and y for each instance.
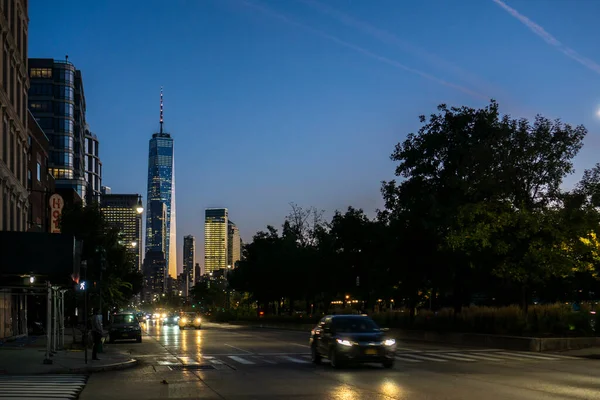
(272, 102)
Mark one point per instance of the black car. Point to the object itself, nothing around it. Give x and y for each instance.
(124, 326)
(347, 339)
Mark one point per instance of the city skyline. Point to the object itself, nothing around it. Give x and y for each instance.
(299, 117)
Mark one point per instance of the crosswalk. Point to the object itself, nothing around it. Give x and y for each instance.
(402, 356)
(41, 386)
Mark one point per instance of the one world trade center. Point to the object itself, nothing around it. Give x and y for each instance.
(160, 210)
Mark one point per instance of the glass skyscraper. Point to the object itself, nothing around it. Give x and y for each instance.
(161, 188)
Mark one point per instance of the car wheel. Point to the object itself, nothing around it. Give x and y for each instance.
(333, 359)
(388, 364)
(139, 339)
(314, 355)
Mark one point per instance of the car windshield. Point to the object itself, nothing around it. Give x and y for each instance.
(124, 319)
(354, 325)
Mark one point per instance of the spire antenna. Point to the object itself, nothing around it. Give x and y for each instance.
(161, 109)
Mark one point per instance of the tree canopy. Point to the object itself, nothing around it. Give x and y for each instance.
(478, 213)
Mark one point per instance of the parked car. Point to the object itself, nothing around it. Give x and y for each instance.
(124, 326)
(190, 320)
(347, 339)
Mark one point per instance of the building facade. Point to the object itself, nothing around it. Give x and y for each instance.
(161, 188)
(14, 202)
(40, 183)
(234, 244)
(215, 239)
(189, 258)
(93, 167)
(57, 101)
(124, 212)
(155, 275)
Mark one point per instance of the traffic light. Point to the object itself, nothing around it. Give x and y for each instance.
(81, 286)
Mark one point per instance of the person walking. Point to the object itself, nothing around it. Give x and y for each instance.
(97, 333)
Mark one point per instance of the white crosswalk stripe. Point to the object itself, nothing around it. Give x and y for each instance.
(41, 386)
(416, 357)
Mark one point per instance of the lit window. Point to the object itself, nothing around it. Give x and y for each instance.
(39, 172)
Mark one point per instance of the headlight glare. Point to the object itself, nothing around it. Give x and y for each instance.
(389, 342)
(344, 342)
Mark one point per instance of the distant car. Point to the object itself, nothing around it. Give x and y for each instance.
(170, 319)
(190, 320)
(345, 339)
(124, 326)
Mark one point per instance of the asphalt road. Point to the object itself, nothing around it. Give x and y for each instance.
(235, 363)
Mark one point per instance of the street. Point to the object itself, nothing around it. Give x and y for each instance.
(229, 362)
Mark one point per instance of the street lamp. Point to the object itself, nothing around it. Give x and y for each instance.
(139, 207)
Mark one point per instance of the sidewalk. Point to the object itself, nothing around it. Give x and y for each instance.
(26, 356)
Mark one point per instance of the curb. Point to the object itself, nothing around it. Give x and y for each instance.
(110, 367)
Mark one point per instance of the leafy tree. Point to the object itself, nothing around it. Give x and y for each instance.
(111, 268)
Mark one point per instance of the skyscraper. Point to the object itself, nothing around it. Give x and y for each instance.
(189, 258)
(234, 248)
(57, 101)
(215, 239)
(124, 212)
(161, 188)
(13, 107)
(93, 166)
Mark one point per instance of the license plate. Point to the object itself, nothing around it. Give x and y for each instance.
(371, 352)
(125, 334)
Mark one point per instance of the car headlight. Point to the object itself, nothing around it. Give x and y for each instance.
(197, 320)
(389, 342)
(344, 342)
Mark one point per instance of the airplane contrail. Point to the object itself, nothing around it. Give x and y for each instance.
(362, 50)
(548, 38)
(390, 38)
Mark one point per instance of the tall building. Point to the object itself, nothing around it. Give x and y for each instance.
(155, 275)
(105, 190)
(189, 258)
(57, 101)
(161, 188)
(93, 166)
(124, 212)
(39, 181)
(197, 273)
(156, 231)
(215, 239)
(14, 204)
(234, 244)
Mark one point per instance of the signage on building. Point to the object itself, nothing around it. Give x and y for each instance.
(56, 205)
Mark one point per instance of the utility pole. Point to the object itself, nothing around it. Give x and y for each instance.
(47, 359)
(85, 310)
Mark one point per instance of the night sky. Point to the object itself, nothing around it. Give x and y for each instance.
(272, 102)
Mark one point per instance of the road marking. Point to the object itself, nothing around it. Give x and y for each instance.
(162, 362)
(241, 360)
(527, 355)
(188, 361)
(294, 360)
(237, 348)
(43, 387)
(283, 354)
(421, 357)
(487, 357)
(301, 345)
(263, 359)
(458, 357)
(408, 359)
(218, 362)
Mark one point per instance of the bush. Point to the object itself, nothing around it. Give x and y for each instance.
(541, 320)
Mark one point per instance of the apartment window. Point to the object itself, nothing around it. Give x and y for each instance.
(5, 141)
(11, 211)
(5, 8)
(5, 206)
(19, 94)
(12, 150)
(19, 34)
(5, 71)
(29, 179)
(12, 84)
(39, 172)
(40, 73)
(18, 162)
(40, 106)
(18, 218)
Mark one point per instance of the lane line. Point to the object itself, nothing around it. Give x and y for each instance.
(294, 360)
(458, 357)
(263, 359)
(237, 348)
(241, 360)
(421, 357)
(408, 359)
(547, 358)
(487, 357)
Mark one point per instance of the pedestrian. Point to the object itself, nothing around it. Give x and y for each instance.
(97, 333)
